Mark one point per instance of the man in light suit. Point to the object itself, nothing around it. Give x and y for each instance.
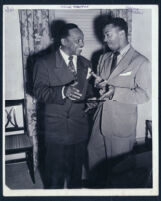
(61, 83)
(127, 74)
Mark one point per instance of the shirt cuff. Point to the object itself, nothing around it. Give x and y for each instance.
(63, 96)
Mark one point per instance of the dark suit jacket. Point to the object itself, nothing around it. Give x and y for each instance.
(65, 121)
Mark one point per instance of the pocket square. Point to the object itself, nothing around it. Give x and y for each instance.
(126, 74)
(88, 73)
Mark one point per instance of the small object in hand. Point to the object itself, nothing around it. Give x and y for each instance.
(102, 84)
(92, 103)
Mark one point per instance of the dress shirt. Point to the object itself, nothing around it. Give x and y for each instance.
(123, 52)
(66, 59)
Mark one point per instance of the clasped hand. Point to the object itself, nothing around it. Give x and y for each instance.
(72, 92)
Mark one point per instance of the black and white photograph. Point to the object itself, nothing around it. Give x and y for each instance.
(80, 104)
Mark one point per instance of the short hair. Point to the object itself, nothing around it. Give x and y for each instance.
(118, 22)
(64, 32)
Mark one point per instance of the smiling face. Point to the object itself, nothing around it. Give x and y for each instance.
(74, 42)
(113, 36)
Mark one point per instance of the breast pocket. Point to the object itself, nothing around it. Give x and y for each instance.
(127, 81)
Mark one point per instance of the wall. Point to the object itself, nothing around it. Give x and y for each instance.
(142, 41)
(14, 88)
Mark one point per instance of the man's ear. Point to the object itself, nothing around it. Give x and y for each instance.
(122, 33)
(63, 41)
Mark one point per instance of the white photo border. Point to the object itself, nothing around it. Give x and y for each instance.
(154, 191)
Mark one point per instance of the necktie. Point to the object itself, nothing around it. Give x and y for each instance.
(114, 61)
(71, 67)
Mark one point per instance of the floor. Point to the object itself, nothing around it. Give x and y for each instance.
(17, 175)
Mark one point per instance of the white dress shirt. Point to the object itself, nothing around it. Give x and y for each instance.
(66, 59)
(123, 52)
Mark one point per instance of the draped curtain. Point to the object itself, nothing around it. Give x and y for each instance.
(35, 36)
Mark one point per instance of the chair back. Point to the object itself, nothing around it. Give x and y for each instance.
(15, 117)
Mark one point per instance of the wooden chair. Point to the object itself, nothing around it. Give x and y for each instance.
(16, 136)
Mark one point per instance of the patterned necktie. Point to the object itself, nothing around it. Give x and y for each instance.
(114, 61)
(71, 67)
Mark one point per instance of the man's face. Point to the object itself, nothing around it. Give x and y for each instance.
(112, 36)
(74, 42)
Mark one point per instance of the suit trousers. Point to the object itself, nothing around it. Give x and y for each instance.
(64, 163)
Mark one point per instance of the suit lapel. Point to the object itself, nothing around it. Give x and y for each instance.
(105, 70)
(61, 69)
(81, 74)
(65, 76)
(123, 64)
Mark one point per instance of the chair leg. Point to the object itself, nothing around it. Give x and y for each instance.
(30, 163)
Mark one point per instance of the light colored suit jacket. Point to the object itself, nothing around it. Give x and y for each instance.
(114, 127)
(131, 78)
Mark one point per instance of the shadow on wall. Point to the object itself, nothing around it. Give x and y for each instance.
(98, 24)
(54, 31)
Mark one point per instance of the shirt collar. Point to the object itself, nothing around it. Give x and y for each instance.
(124, 50)
(65, 56)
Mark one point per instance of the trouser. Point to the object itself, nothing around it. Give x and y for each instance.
(101, 175)
(64, 163)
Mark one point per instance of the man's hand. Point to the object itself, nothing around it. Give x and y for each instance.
(72, 93)
(109, 94)
(101, 84)
(102, 91)
(92, 105)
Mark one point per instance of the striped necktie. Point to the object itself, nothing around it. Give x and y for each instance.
(71, 67)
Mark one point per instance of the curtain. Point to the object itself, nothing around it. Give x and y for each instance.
(35, 36)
